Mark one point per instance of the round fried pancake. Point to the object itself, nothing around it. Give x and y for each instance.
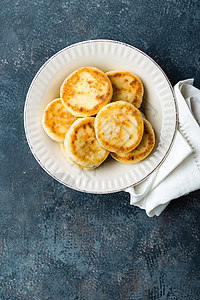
(126, 87)
(119, 127)
(143, 149)
(81, 144)
(86, 91)
(57, 120)
(62, 147)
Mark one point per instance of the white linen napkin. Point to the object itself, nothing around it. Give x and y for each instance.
(180, 172)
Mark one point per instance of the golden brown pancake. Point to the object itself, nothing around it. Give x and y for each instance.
(62, 147)
(143, 149)
(86, 91)
(82, 146)
(57, 120)
(126, 87)
(119, 127)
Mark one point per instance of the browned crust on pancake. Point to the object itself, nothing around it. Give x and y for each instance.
(129, 110)
(136, 87)
(136, 155)
(89, 144)
(87, 147)
(100, 81)
(62, 146)
(54, 118)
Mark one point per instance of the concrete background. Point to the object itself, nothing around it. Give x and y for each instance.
(57, 243)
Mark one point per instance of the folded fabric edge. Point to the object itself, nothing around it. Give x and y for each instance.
(157, 210)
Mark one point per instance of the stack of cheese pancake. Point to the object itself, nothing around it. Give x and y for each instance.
(97, 114)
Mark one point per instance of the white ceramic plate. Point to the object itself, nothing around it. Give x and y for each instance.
(159, 105)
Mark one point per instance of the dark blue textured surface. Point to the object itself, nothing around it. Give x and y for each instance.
(56, 243)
